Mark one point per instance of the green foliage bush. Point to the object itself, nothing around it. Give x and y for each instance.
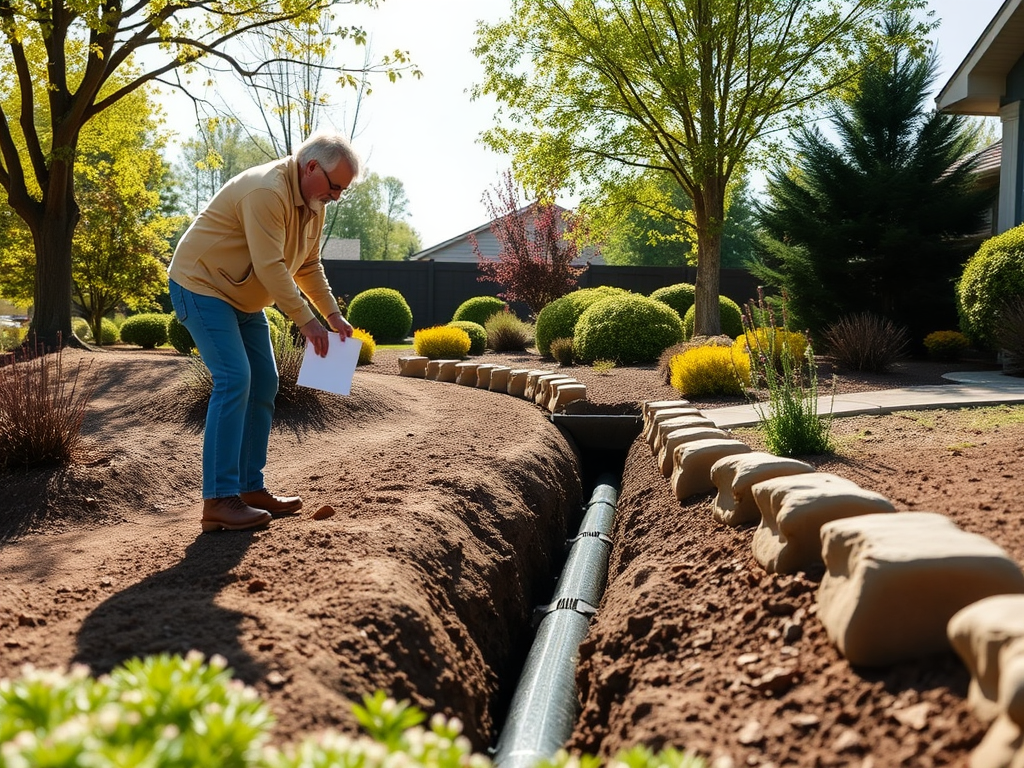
(441, 342)
(507, 333)
(993, 277)
(381, 312)
(627, 328)
(561, 350)
(368, 348)
(80, 327)
(479, 309)
(710, 371)
(477, 335)
(729, 313)
(179, 337)
(172, 712)
(277, 319)
(109, 333)
(946, 345)
(865, 342)
(147, 330)
(558, 318)
(678, 296)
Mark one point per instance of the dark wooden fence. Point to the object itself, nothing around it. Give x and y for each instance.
(435, 289)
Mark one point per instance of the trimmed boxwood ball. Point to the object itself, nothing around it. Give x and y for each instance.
(629, 329)
(109, 333)
(80, 327)
(993, 277)
(381, 312)
(179, 337)
(146, 330)
(679, 296)
(729, 313)
(478, 310)
(477, 335)
(557, 319)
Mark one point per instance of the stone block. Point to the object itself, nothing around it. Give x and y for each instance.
(447, 370)
(979, 633)
(675, 438)
(413, 365)
(893, 582)
(734, 476)
(499, 378)
(657, 437)
(531, 383)
(467, 374)
(650, 406)
(517, 382)
(693, 461)
(793, 509)
(567, 393)
(483, 375)
(545, 385)
(652, 421)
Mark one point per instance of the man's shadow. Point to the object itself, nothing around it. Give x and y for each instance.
(173, 611)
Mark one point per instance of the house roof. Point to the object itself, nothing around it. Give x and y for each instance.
(427, 253)
(979, 83)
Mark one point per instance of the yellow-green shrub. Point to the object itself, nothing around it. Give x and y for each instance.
(946, 345)
(369, 346)
(710, 372)
(441, 341)
(773, 341)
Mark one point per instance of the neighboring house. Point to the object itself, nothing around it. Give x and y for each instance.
(344, 249)
(460, 247)
(990, 82)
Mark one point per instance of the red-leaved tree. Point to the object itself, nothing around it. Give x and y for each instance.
(536, 248)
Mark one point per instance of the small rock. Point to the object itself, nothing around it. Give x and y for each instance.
(915, 717)
(106, 582)
(804, 720)
(848, 741)
(276, 679)
(746, 659)
(323, 513)
(792, 631)
(751, 733)
(776, 680)
(702, 639)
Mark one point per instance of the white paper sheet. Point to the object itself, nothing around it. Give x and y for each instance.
(332, 373)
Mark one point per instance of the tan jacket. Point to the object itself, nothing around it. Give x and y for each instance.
(257, 243)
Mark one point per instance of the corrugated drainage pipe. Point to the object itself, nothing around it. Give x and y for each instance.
(543, 711)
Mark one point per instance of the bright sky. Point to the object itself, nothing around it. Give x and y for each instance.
(425, 131)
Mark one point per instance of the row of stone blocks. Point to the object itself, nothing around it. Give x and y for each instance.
(548, 389)
(896, 587)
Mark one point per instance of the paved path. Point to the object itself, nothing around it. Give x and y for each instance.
(971, 388)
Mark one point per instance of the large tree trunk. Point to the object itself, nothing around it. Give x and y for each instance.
(51, 319)
(709, 215)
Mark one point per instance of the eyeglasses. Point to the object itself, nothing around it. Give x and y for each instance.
(338, 190)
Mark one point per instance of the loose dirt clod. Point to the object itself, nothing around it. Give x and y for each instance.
(322, 513)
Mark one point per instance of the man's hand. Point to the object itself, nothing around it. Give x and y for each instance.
(316, 333)
(340, 324)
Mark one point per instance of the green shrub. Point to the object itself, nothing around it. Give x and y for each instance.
(561, 350)
(710, 371)
(627, 328)
(109, 333)
(946, 345)
(865, 342)
(479, 309)
(277, 319)
(80, 327)
(147, 330)
(369, 346)
(993, 277)
(179, 337)
(729, 313)
(678, 296)
(381, 312)
(558, 318)
(441, 342)
(477, 335)
(12, 337)
(507, 333)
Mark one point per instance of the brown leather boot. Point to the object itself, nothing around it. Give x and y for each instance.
(230, 513)
(275, 505)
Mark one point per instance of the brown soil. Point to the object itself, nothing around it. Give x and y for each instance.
(451, 505)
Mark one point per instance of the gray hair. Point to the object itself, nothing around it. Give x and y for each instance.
(329, 149)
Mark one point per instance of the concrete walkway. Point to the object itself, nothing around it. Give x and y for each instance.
(972, 388)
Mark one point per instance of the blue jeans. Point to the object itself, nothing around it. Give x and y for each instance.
(236, 348)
